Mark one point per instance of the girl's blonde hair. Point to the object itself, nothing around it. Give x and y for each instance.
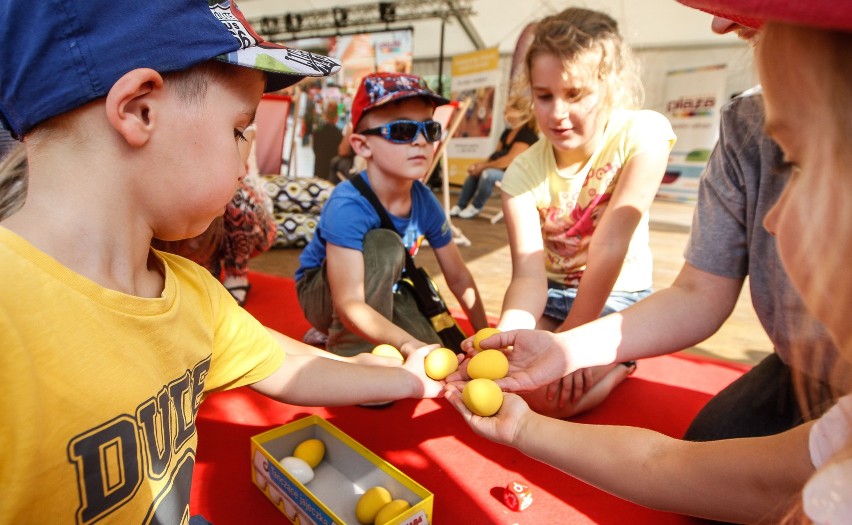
(824, 77)
(575, 36)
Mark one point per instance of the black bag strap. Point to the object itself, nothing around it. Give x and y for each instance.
(362, 186)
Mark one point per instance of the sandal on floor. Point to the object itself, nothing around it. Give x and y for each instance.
(631, 367)
(235, 290)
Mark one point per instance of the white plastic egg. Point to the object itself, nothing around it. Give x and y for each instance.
(298, 468)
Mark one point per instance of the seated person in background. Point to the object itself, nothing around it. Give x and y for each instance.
(245, 230)
(482, 176)
(576, 204)
(326, 140)
(343, 163)
(346, 283)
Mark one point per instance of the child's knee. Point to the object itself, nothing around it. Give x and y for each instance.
(383, 249)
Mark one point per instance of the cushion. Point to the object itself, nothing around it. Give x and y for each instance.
(297, 203)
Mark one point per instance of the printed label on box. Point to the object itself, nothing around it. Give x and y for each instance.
(299, 498)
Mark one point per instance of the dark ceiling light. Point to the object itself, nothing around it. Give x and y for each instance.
(341, 17)
(268, 26)
(387, 12)
(293, 22)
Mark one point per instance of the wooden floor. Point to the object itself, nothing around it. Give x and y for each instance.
(741, 339)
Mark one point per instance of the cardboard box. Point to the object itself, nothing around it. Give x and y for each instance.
(345, 473)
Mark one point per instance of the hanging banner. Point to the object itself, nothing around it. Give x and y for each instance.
(475, 77)
(362, 53)
(694, 99)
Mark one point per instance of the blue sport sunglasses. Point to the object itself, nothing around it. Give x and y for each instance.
(406, 131)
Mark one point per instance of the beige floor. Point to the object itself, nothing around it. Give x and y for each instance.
(741, 339)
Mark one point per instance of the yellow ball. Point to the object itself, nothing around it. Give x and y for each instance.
(440, 363)
(482, 397)
(370, 503)
(311, 451)
(391, 510)
(485, 333)
(490, 364)
(387, 350)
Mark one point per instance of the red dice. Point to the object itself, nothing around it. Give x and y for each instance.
(517, 496)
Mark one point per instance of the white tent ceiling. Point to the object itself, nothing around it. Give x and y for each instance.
(644, 23)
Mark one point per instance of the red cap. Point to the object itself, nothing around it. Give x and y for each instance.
(826, 14)
(377, 89)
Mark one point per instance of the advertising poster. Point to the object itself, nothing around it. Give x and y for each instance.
(475, 77)
(363, 53)
(694, 98)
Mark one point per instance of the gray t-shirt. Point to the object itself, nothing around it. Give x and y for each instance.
(743, 179)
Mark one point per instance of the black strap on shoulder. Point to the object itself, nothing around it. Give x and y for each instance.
(362, 186)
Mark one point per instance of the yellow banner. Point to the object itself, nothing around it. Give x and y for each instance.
(476, 62)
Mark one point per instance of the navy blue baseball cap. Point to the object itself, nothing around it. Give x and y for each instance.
(61, 54)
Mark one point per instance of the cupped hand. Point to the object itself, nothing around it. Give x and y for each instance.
(425, 386)
(503, 426)
(536, 358)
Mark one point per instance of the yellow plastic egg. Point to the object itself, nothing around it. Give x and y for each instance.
(488, 364)
(387, 350)
(483, 334)
(440, 363)
(482, 397)
(391, 510)
(311, 451)
(370, 503)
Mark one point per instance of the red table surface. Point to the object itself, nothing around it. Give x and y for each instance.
(429, 442)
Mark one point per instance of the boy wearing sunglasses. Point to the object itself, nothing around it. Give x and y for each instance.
(347, 278)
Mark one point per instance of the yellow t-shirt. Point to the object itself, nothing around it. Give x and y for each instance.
(570, 208)
(101, 389)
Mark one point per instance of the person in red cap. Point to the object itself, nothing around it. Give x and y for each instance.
(131, 115)
(802, 475)
(348, 274)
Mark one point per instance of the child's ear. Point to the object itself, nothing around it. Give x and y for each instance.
(130, 104)
(360, 145)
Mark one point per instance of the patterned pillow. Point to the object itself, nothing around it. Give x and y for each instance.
(297, 204)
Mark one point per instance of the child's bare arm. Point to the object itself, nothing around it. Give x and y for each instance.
(737, 480)
(313, 379)
(640, 178)
(345, 269)
(460, 282)
(525, 298)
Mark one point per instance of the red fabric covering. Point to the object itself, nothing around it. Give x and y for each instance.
(429, 442)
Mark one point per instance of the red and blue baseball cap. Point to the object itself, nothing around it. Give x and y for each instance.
(825, 14)
(378, 89)
(61, 54)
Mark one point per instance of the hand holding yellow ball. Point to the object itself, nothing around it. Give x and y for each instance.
(386, 350)
(483, 334)
(482, 397)
(440, 363)
(488, 364)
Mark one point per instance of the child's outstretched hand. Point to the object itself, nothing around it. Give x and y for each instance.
(536, 358)
(503, 426)
(414, 363)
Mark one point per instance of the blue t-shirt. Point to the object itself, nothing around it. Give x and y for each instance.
(347, 216)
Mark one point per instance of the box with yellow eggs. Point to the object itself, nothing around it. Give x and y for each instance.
(349, 485)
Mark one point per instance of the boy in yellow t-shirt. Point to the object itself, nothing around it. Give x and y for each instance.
(131, 115)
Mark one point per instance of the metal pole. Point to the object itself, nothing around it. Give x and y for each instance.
(441, 60)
